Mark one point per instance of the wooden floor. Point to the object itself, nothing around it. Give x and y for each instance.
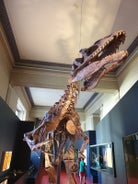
(43, 179)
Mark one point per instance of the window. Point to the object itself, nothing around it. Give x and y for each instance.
(20, 110)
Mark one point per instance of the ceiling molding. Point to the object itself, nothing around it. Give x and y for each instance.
(35, 78)
(55, 80)
(43, 65)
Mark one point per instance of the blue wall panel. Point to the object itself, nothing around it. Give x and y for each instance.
(121, 121)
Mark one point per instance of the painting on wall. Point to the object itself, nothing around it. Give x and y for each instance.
(130, 144)
(102, 158)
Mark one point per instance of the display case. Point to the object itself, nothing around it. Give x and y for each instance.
(102, 158)
(130, 144)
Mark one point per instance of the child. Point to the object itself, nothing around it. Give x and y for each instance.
(82, 171)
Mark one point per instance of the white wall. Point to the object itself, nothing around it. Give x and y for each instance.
(9, 93)
(128, 78)
(5, 67)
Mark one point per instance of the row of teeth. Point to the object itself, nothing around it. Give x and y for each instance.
(119, 33)
(100, 49)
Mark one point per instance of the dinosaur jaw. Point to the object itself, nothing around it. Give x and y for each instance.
(105, 46)
(111, 62)
(102, 56)
(96, 66)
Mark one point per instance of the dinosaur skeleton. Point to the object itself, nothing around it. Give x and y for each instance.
(61, 124)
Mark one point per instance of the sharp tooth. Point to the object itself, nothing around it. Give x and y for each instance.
(100, 49)
(94, 54)
(115, 34)
(120, 33)
(108, 41)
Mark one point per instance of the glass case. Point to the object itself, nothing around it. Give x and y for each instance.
(130, 144)
(102, 158)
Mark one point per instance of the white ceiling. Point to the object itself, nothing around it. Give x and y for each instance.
(47, 97)
(53, 31)
(56, 30)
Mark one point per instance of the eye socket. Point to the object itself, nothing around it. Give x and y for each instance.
(88, 51)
